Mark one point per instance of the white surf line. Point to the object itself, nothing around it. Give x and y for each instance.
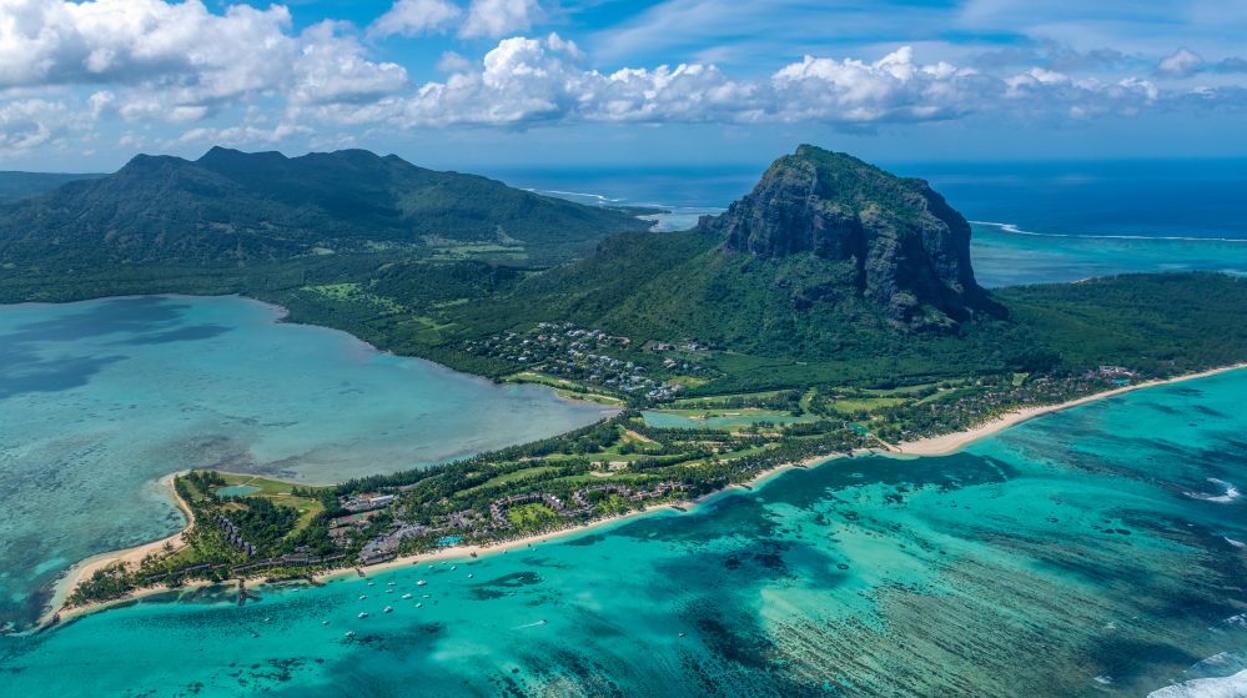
(1230, 494)
(1013, 229)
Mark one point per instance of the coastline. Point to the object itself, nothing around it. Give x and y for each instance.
(946, 444)
(932, 446)
(83, 570)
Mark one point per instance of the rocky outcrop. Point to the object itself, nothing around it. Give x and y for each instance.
(894, 240)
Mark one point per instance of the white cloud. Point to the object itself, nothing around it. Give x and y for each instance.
(893, 88)
(45, 42)
(452, 62)
(1180, 64)
(331, 68)
(414, 17)
(241, 135)
(65, 65)
(531, 81)
(27, 124)
(495, 18)
(180, 62)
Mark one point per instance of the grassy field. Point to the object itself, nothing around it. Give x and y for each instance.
(356, 293)
(278, 493)
(531, 517)
(567, 388)
(533, 472)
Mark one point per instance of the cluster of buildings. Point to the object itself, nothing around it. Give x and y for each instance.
(1117, 374)
(234, 536)
(385, 546)
(368, 502)
(583, 505)
(498, 509)
(574, 353)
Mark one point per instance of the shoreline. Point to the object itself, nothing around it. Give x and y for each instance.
(952, 442)
(83, 569)
(941, 445)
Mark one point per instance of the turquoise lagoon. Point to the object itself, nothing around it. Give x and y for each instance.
(1008, 255)
(100, 399)
(1096, 551)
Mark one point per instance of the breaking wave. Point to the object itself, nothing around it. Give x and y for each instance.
(1229, 492)
(1013, 229)
(1234, 686)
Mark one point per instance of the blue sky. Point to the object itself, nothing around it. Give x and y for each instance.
(489, 84)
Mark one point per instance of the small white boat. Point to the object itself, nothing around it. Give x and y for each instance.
(324, 622)
(406, 596)
(419, 605)
(453, 568)
(362, 614)
(389, 584)
(427, 596)
(389, 609)
(349, 633)
(470, 575)
(372, 584)
(389, 591)
(362, 597)
(420, 582)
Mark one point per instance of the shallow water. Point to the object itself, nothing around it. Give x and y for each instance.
(100, 399)
(1071, 555)
(1007, 255)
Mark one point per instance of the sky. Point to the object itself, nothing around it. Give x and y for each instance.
(464, 84)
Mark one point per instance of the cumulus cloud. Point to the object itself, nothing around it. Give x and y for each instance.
(64, 65)
(530, 81)
(180, 61)
(451, 62)
(894, 88)
(495, 18)
(27, 124)
(331, 67)
(1181, 63)
(243, 135)
(414, 17)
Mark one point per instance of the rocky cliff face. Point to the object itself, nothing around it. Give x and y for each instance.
(894, 240)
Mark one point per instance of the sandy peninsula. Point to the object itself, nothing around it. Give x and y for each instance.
(933, 446)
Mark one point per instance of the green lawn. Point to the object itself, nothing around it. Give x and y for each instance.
(278, 492)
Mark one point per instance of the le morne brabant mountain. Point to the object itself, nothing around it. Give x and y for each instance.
(864, 233)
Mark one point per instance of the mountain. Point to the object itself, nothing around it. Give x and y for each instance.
(827, 256)
(15, 186)
(247, 208)
(893, 240)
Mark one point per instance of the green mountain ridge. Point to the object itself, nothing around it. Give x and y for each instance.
(246, 208)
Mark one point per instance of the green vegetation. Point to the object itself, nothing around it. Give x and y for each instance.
(244, 209)
(848, 321)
